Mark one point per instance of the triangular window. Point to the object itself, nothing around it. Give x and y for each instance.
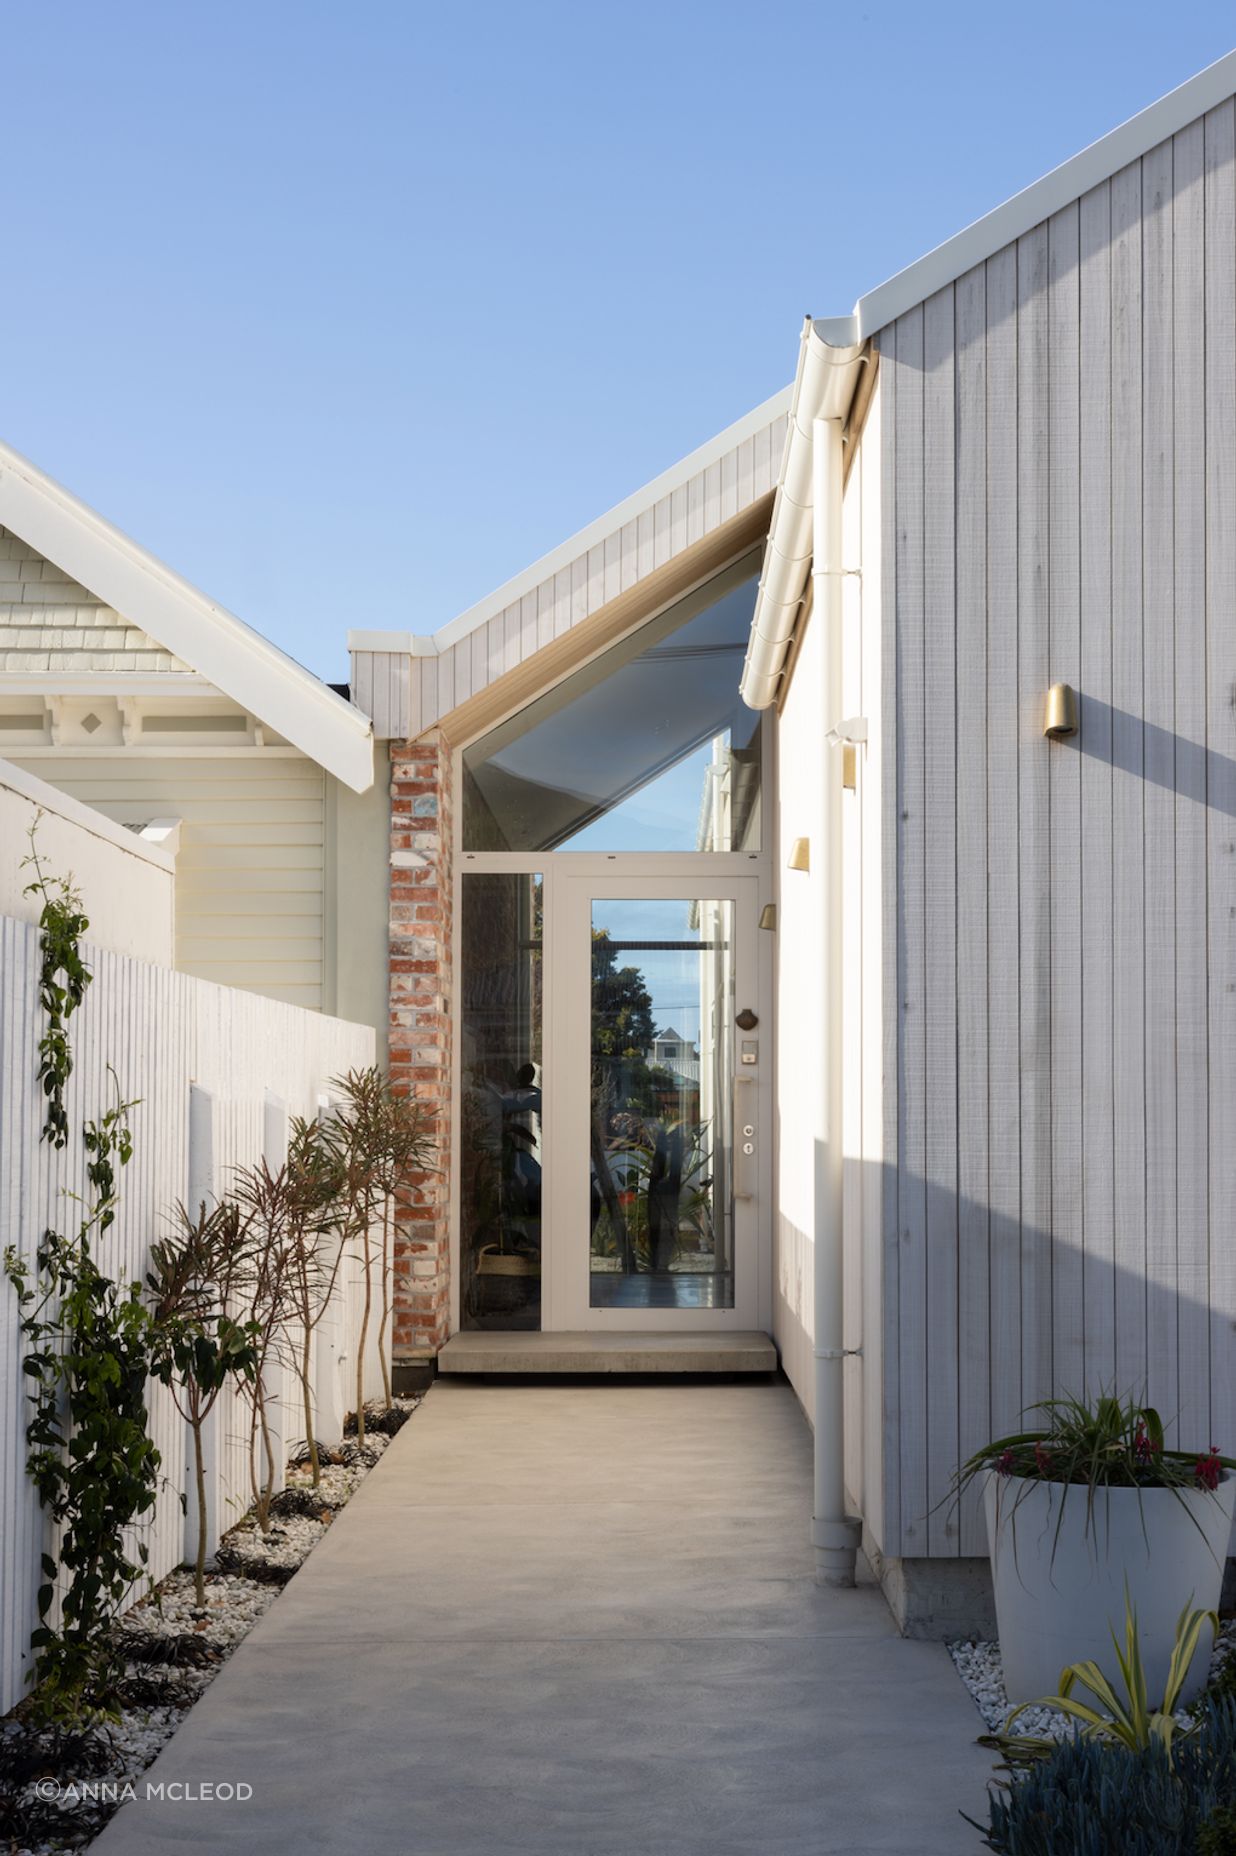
(647, 748)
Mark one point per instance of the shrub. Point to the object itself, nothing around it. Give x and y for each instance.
(1093, 1798)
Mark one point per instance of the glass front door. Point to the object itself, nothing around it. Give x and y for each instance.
(655, 1175)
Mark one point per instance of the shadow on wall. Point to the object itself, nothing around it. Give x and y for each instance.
(949, 1388)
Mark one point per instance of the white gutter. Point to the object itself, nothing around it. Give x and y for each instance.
(829, 360)
(806, 538)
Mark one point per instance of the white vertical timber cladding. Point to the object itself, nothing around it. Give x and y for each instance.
(164, 1034)
(851, 701)
(892, 943)
(1128, 784)
(1189, 727)
(1095, 692)
(1064, 787)
(1158, 520)
(875, 972)
(940, 908)
(973, 1212)
(1034, 827)
(1003, 871)
(407, 695)
(1094, 528)
(913, 1082)
(1220, 724)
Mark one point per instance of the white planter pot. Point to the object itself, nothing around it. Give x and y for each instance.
(1060, 1586)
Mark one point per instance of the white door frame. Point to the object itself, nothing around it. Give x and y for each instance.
(566, 1276)
(747, 879)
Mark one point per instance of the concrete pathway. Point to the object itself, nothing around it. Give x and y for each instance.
(576, 1620)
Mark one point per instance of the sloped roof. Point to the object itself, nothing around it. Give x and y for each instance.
(238, 661)
(1033, 204)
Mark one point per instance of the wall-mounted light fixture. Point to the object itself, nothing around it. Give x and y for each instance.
(852, 733)
(800, 855)
(768, 915)
(1061, 719)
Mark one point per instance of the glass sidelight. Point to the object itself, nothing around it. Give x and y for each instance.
(500, 1119)
(661, 1187)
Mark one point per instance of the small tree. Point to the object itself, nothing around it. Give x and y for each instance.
(317, 1235)
(406, 1147)
(199, 1345)
(356, 1137)
(265, 1285)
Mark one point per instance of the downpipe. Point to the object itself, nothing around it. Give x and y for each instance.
(834, 1534)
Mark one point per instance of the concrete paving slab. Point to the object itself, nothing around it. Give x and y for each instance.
(611, 1649)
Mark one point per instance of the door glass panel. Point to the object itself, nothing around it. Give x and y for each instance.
(500, 1119)
(662, 1030)
(647, 748)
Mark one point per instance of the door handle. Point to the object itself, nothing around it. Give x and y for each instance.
(744, 1137)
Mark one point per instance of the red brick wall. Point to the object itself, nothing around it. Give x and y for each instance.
(420, 1028)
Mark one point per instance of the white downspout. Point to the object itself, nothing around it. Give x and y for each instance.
(835, 1536)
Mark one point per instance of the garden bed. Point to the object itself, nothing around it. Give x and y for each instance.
(978, 1664)
(57, 1798)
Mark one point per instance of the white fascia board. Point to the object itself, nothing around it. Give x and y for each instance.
(1038, 202)
(405, 643)
(179, 683)
(578, 544)
(220, 647)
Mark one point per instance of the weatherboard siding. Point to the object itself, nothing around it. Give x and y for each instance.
(250, 868)
(1059, 436)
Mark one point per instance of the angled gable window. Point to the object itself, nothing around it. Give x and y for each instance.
(647, 748)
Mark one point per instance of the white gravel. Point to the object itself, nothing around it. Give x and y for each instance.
(978, 1664)
(234, 1603)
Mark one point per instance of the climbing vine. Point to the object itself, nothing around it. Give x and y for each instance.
(63, 979)
(89, 1346)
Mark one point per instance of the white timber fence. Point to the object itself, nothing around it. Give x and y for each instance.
(216, 1075)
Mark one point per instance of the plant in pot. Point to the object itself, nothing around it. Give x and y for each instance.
(1088, 1513)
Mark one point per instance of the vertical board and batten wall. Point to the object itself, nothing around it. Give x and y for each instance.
(161, 1031)
(406, 695)
(1059, 490)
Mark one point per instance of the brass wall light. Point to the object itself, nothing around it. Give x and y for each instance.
(768, 915)
(1061, 720)
(800, 855)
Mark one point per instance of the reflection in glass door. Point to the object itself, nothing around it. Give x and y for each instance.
(500, 1119)
(661, 1190)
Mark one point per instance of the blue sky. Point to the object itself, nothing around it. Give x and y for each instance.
(349, 312)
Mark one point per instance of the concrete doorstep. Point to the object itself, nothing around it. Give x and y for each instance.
(575, 1620)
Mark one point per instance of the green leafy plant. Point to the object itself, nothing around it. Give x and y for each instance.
(63, 979)
(199, 1346)
(1114, 1443)
(1124, 1716)
(88, 1352)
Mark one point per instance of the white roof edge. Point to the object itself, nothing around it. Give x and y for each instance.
(579, 543)
(222, 648)
(408, 642)
(1044, 197)
(29, 786)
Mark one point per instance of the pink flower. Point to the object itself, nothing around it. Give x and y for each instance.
(1209, 1469)
(1042, 1460)
(1004, 1463)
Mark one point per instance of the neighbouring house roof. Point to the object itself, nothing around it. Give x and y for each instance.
(196, 630)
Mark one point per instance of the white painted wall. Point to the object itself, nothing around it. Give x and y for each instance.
(129, 885)
(164, 1032)
(250, 871)
(808, 710)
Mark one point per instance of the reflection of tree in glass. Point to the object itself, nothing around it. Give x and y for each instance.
(631, 1100)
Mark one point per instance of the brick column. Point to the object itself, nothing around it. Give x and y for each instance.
(420, 1030)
